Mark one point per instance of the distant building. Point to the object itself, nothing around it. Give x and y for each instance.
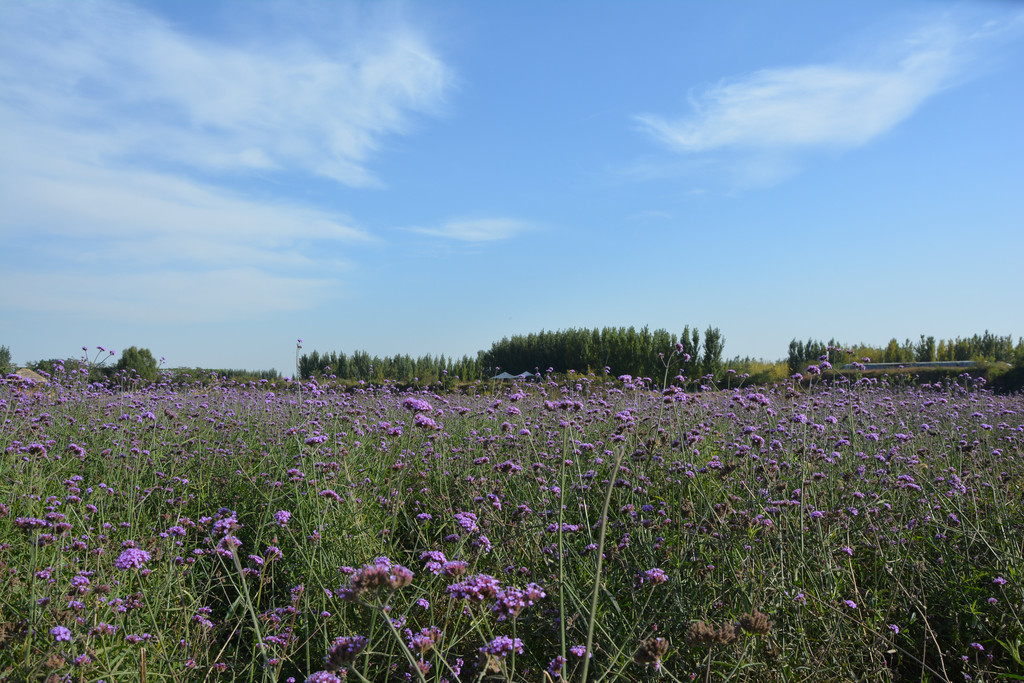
(31, 375)
(29, 381)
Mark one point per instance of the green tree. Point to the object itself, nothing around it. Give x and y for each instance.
(925, 351)
(139, 360)
(714, 345)
(5, 360)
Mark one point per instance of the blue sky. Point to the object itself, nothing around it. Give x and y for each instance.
(213, 180)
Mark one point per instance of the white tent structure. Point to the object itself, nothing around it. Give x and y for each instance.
(523, 375)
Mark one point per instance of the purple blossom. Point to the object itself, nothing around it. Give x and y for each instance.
(60, 633)
(424, 422)
(344, 649)
(476, 588)
(502, 646)
(556, 666)
(132, 558)
(424, 640)
(654, 577)
(467, 520)
(30, 523)
(323, 676)
(416, 405)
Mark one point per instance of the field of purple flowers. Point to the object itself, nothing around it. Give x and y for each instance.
(567, 529)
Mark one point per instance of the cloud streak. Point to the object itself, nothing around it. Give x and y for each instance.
(478, 230)
(817, 106)
(156, 93)
(127, 142)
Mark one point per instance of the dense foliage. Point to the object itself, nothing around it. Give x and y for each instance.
(610, 350)
(360, 366)
(271, 531)
(985, 347)
(5, 361)
(137, 362)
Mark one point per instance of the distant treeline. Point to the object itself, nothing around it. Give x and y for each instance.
(611, 351)
(139, 364)
(645, 353)
(986, 347)
(361, 366)
(614, 350)
(238, 375)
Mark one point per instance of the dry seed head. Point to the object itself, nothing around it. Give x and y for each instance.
(756, 623)
(370, 578)
(651, 651)
(728, 633)
(701, 633)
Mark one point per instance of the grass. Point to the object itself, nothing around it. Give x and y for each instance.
(843, 532)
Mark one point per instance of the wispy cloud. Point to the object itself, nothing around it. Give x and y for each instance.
(479, 230)
(162, 295)
(839, 105)
(128, 142)
(154, 92)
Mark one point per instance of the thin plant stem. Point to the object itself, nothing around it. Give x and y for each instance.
(600, 563)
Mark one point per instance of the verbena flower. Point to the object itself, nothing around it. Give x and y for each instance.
(654, 577)
(324, 677)
(344, 649)
(132, 558)
(502, 646)
(424, 640)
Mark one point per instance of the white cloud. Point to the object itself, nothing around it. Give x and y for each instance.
(127, 143)
(155, 92)
(813, 106)
(197, 251)
(479, 230)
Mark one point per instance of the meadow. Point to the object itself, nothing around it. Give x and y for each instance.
(564, 529)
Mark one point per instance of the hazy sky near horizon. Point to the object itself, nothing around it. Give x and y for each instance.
(215, 179)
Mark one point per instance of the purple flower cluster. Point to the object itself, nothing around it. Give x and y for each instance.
(344, 649)
(424, 640)
(476, 588)
(132, 558)
(416, 405)
(503, 646)
(654, 577)
(425, 423)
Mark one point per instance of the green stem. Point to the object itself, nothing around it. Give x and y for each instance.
(251, 610)
(600, 563)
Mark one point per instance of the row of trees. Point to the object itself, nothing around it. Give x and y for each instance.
(985, 347)
(402, 368)
(619, 349)
(611, 350)
(134, 363)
